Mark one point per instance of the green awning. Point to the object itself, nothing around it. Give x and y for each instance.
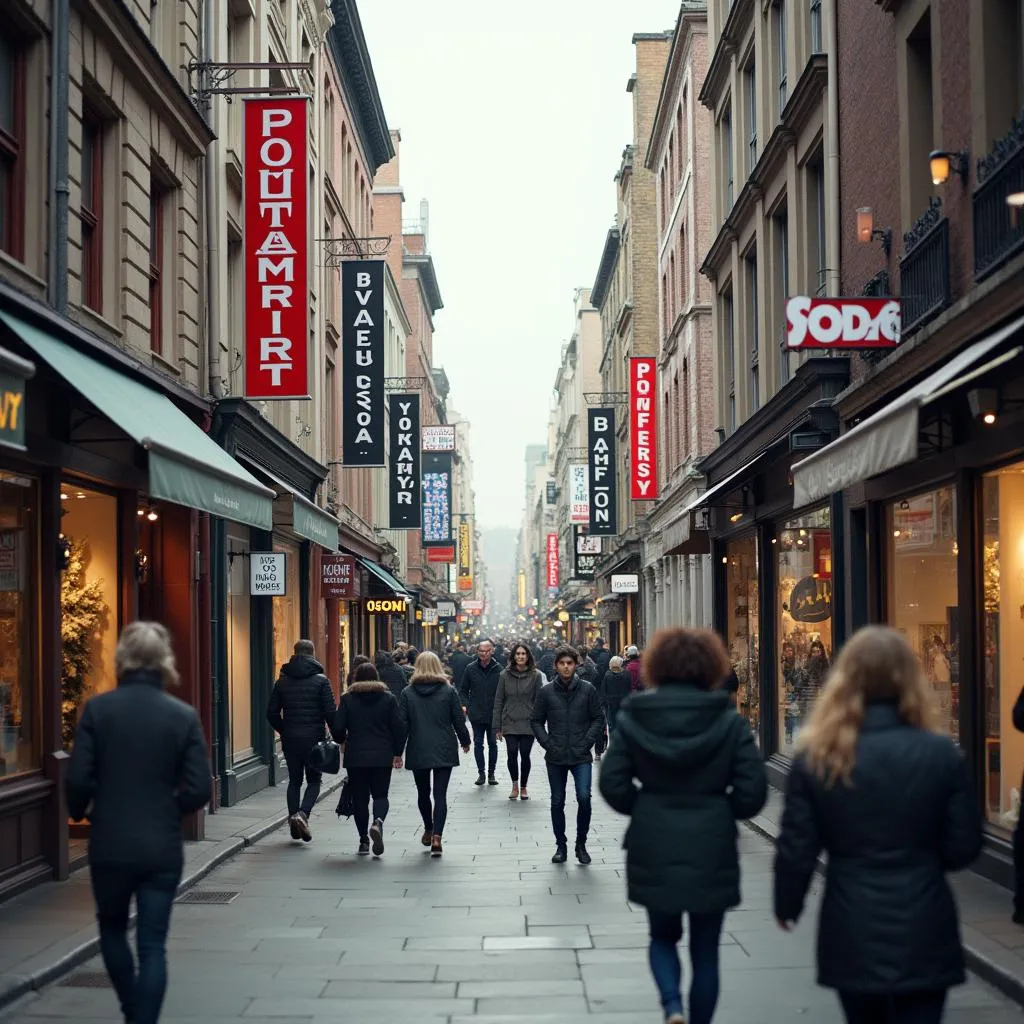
(186, 466)
(307, 518)
(385, 577)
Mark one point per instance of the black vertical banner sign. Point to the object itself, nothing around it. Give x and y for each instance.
(602, 468)
(404, 468)
(437, 498)
(362, 346)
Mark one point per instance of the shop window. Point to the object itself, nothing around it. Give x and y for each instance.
(287, 619)
(89, 598)
(803, 569)
(19, 643)
(922, 590)
(741, 581)
(12, 144)
(239, 638)
(1002, 641)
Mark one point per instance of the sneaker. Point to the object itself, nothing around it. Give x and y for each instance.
(427, 836)
(492, 780)
(364, 847)
(302, 824)
(293, 827)
(581, 853)
(377, 835)
(435, 846)
(480, 780)
(561, 855)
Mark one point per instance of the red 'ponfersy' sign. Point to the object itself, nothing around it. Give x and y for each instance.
(276, 249)
(842, 323)
(643, 434)
(553, 561)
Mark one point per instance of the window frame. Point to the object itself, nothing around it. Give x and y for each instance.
(750, 101)
(781, 55)
(781, 221)
(157, 212)
(755, 342)
(814, 22)
(92, 216)
(13, 151)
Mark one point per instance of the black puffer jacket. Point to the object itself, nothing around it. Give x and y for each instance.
(369, 725)
(479, 687)
(614, 689)
(140, 760)
(567, 721)
(888, 921)
(699, 770)
(302, 702)
(434, 724)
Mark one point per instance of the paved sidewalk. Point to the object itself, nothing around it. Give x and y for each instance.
(492, 933)
(52, 928)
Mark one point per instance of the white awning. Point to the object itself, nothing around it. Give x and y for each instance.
(888, 438)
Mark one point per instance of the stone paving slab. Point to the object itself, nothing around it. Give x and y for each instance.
(492, 933)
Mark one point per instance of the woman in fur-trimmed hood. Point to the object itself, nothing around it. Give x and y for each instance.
(369, 725)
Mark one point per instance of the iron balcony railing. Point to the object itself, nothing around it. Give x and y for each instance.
(999, 229)
(924, 268)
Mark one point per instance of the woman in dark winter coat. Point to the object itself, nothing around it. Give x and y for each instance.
(369, 725)
(435, 727)
(518, 687)
(889, 800)
(614, 689)
(699, 770)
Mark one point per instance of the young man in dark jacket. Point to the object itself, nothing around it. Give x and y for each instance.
(567, 721)
(459, 660)
(301, 704)
(390, 673)
(479, 687)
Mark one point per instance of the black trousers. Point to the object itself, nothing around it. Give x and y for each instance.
(295, 755)
(905, 1008)
(367, 783)
(433, 816)
(1018, 865)
(518, 748)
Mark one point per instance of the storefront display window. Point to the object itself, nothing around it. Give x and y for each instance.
(1002, 564)
(19, 645)
(287, 610)
(742, 630)
(239, 652)
(803, 561)
(922, 590)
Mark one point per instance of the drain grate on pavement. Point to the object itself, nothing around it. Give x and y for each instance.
(208, 897)
(87, 979)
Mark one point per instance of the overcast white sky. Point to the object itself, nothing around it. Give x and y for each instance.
(513, 121)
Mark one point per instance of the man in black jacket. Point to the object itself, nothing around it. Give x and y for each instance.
(301, 704)
(567, 721)
(391, 673)
(478, 690)
(459, 660)
(601, 658)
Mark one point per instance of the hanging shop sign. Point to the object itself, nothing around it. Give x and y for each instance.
(446, 609)
(404, 454)
(437, 499)
(465, 554)
(14, 371)
(441, 553)
(267, 577)
(552, 551)
(601, 442)
(626, 583)
(338, 577)
(385, 605)
(521, 590)
(587, 553)
(473, 607)
(842, 323)
(431, 617)
(810, 600)
(643, 434)
(579, 494)
(362, 363)
(438, 438)
(551, 493)
(276, 246)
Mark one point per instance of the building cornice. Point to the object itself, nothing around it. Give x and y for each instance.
(347, 45)
(609, 257)
(424, 264)
(727, 45)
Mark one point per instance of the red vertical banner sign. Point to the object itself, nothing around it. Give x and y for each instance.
(643, 428)
(276, 247)
(552, 561)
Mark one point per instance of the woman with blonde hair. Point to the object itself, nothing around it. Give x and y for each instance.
(435, 726)
(887, 797)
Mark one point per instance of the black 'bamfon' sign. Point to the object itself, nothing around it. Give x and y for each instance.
(603, 488)
(404, 470)
(362, 345)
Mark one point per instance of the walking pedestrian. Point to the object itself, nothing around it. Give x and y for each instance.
(357, 660)
(459, 660)
(889, 800)
(699, 770)
(370, 726)
(633, 668)
(401, 659)
(518, 686)
(602, 658)
(139, 763)
(546, 662)
(390, 673)
(567, 720)
(301, 705)
(435, 727)
(479, 687)
(614, 689)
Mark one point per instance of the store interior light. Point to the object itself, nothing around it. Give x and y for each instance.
(63, 496)
(152, 515)
(1015, 199)
(896, 533)
(725, 559)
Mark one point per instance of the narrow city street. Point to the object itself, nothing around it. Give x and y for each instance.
(491, 932)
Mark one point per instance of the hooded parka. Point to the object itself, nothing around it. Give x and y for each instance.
(369, 724)
(698, 770)
(434, 724)
(513, 703)
(302, 702)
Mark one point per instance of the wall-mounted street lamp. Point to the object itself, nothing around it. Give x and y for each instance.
(942, 163)
(866, 230)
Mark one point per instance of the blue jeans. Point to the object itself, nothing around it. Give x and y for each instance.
(558, 778)
(480, 730)
(140, 993)
(666, 933)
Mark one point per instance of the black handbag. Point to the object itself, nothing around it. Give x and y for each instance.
(325, 757)
(346, 807)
